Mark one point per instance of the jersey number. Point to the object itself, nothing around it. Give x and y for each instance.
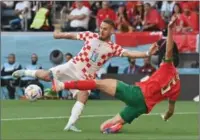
(94, 56)
(168, 87)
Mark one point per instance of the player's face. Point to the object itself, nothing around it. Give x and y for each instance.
(105, 31)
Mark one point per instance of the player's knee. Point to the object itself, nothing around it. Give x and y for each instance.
(83, 97)
(45, 75)
(99, 83)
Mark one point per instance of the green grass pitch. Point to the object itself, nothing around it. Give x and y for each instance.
(46, 119)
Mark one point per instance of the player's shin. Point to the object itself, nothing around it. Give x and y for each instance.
(75, 113)
(31, 73)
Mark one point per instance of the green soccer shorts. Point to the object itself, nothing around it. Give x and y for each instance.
(134, 99)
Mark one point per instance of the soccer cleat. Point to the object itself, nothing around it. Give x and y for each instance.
(72, 128)
(18, 73)
(112, 128)
(50, 93)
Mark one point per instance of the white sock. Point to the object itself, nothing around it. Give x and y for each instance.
(31, 73)
(76, 112)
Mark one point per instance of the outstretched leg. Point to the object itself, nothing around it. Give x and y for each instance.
(107, 86)
(40, 74)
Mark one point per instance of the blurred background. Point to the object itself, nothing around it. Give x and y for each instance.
(27, 41)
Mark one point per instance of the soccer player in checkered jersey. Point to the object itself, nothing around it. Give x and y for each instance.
(97, 49)
(143, 96)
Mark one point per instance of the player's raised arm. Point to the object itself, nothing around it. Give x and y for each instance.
(170, 42)
(60, 35)
(135, 54)
(138, 54)
(170, 111)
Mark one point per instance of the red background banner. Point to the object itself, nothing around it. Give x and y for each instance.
(185, 42)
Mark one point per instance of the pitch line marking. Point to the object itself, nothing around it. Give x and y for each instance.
(89, 116)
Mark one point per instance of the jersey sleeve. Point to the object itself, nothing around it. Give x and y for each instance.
(86, 36)
(118, 50)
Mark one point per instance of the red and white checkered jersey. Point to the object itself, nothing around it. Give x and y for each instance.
(94, 54)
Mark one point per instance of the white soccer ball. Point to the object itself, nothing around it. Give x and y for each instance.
(33, 92)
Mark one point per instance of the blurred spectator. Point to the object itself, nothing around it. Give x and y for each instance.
(23, 12)
(166, 10)
(189, 20)
(95, 7)
(147, 69)
(195, 64)
(153, 4)
(152, 19)
(139, 16)
(177, 11)
(78, 19)
(115, 4)
(26, 81)
(193, 5)
(130, 8)
(42, 20)
(158, 5)
(6, 75)
(7, 8)
(68, 56)
(7, 4)
(122, 22)
(132, 68)
(85, 3)
(105, 13)
(33, 66)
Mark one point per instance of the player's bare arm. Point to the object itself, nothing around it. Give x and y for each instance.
(170, 111)
(60, 35)
(138, 54)
(170, 42)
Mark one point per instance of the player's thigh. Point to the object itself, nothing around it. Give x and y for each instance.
(129, 94)
(129, 113)
(65, 72)
(107, 86)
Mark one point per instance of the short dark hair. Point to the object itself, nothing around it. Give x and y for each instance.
(110, 22)
(69, 54)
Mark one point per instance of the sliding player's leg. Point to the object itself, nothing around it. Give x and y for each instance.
(112, 87)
